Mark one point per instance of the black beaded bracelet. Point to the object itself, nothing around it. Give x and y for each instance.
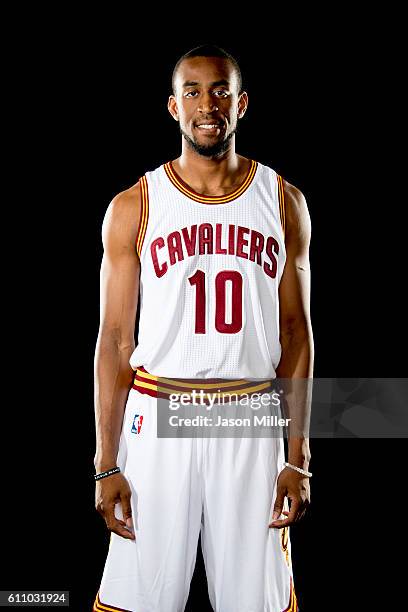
(114, 470)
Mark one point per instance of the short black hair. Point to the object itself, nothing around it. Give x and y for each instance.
(208, 51)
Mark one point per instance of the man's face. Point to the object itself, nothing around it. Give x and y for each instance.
(207, 104)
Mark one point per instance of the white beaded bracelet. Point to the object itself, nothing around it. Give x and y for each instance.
(298, 469)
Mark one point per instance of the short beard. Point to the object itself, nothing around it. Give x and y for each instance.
(215, 150)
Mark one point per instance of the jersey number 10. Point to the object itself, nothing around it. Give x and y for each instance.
(234, 323)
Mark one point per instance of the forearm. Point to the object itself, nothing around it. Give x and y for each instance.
(296, 371)
(113, 380)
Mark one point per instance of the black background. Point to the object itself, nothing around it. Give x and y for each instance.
(91, 119)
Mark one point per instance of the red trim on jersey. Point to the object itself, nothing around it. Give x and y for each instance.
(160, 387)
(178, 182)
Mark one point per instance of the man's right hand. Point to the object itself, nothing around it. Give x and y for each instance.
(110, 491)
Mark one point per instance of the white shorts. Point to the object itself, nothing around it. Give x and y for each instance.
(223, 488)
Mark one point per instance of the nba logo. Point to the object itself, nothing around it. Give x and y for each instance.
(137, 423)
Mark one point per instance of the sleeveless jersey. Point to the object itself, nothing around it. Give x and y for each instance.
(209, 279)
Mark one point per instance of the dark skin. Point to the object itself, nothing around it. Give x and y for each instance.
(297, 357)
(207, 91)
(120, 273)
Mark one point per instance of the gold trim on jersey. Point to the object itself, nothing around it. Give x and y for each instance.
(144, 215)
(158, 386)
(284, 544)
(190, 193)
(281, 196)
(293, 605)
(101, 607)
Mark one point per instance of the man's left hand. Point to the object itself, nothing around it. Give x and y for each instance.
(296, 488)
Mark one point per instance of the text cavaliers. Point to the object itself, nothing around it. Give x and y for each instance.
(205, 240)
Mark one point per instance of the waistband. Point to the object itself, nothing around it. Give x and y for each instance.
(158, 386)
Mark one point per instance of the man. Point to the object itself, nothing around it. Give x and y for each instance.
(219, 244)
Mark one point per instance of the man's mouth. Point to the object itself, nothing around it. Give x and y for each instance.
(210, 127)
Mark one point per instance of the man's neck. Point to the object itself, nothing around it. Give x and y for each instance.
(211, 176)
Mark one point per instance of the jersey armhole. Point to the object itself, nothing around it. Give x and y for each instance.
(144, 215)
(281, 197)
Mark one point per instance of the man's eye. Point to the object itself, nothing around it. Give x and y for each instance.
(222, 93)
(187, 94)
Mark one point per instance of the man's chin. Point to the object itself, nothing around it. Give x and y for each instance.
(209, 150)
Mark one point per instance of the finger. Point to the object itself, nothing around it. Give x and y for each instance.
(278, 505)
(291, 516)
(122, 530)
(127, 511)
(280, 522)
(285, 513)
(116, 525)
(294, 510)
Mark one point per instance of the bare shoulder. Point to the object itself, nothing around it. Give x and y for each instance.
(121, 222)
(298, 223)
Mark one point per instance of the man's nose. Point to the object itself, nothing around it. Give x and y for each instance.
(207, 104)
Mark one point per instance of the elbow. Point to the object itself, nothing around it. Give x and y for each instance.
(297, 352)
(299, 328)
(115, 338)
(297, 333)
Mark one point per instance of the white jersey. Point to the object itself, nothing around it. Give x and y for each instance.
(210, 273)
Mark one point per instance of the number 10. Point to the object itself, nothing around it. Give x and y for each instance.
(235, 318)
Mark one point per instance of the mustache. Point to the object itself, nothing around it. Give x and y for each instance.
(202, 120)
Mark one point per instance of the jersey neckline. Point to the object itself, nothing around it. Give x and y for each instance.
(178, 182)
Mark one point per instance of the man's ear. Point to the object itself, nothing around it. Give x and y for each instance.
(172, 107)
(242, 104)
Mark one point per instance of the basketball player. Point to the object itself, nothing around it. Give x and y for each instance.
(217, 245)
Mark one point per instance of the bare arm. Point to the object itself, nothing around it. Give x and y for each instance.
(297, 351)
(120, 272)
